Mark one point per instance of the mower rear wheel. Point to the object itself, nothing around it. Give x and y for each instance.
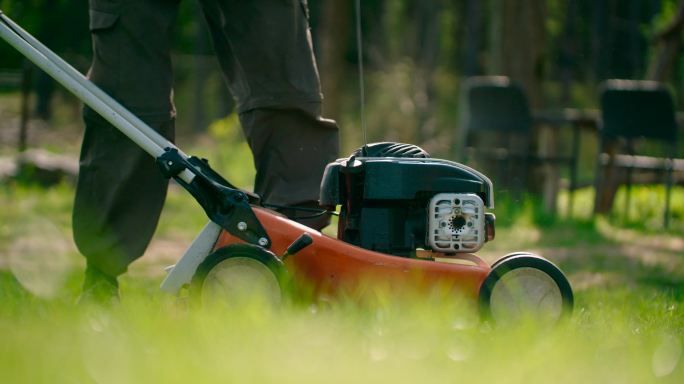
(239, 275)
(525, 286)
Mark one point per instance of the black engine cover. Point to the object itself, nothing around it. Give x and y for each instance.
(385, 189)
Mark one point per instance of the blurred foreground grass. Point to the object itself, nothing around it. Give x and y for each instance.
(628, 325)
(616, 336)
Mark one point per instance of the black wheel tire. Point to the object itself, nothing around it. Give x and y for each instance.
(508, 256)
(269, 269)
(539, 270)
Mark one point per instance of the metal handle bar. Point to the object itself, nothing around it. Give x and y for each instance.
(111, 110)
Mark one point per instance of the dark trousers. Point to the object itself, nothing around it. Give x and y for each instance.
(264, 49)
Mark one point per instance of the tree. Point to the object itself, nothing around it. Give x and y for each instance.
(668, 43)
(518, 44)
(333, 37)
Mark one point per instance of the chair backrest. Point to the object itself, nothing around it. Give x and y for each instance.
(634, 109)
(494, 103)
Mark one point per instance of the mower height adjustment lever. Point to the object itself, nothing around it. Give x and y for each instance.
(224, 204)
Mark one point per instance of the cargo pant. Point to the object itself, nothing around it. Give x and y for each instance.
(264, 49)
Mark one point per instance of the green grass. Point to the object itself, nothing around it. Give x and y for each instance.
(628, 325)
(619, 336)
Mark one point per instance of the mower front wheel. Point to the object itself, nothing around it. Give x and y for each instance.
(239, 275)
(525, 286)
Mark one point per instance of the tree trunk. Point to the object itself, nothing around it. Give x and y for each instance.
(568, 58)
(668, 44)
(334, 30)
(517, 50)
(636, 53)
(601, 39)
(427, 51)
(26, 81)
(44, 85)
(199, 70)
(518, 42)
(473, 27)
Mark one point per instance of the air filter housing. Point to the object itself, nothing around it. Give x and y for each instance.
(456, 223)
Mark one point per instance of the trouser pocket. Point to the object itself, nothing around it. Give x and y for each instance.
(104, 20)
(131, 54)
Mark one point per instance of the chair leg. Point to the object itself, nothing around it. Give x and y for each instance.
(625, 216)
(598, 180)
(525, 170)
(571, 190)
(573, 168)
(605, 179)
(668, 194)
(630, 170)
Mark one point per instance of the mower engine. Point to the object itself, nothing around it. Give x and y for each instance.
(395, 199)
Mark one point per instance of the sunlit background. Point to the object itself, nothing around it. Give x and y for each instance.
(626, 267)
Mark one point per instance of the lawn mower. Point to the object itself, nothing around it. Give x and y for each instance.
(405, 220)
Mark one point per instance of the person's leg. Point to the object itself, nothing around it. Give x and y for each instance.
(120, 192)
(264, 48)
(291, 148)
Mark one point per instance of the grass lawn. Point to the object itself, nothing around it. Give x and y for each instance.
(628, 325)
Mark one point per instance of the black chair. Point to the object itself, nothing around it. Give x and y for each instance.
(497, 132)
(636, 116)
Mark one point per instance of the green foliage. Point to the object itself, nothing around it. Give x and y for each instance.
(668, 11)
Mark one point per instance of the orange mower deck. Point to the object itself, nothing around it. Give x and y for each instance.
(332, 266)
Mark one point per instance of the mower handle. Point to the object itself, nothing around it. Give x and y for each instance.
(225, 204)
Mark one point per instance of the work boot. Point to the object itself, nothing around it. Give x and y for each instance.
(98, 288)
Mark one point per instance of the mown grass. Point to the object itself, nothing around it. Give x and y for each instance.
(628, 325)
(618, 336)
